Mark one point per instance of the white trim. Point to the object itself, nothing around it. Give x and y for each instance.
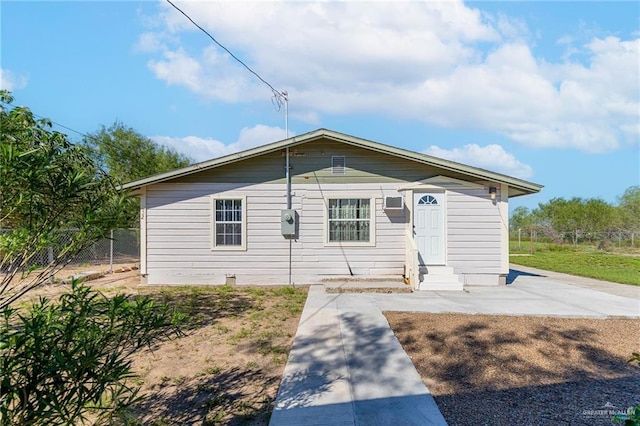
(372, 221)
(409, 226)
(439, 183)
(143, 230)
(328, 193)
(212, 220)
(503, 211)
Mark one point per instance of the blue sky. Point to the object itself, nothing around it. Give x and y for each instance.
(545, 91)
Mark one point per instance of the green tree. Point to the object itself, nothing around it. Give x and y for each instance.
(46, 184)
(521, 218)
(127, 155)
(577, 216)
(629, 208)
(598, 216)
(558, 216)
(62, 361)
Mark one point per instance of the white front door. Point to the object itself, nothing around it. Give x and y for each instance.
(428, 227)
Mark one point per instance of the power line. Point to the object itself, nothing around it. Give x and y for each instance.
(87, 136)
(279, 98)
(278, 94)
(101, 168)
(52, 122)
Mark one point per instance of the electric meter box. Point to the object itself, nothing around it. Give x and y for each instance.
(288, 223)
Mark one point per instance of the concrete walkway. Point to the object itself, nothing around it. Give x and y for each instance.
(346, 366)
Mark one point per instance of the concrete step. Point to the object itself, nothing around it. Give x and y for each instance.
(441, 285)
(439, 278)
(442, 278)
(367, 285)
(436, 270)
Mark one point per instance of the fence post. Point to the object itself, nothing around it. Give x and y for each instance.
(111, 253)
(632, 242)
(531, 242)
(619, 239)
(50, 258)
(519, 241)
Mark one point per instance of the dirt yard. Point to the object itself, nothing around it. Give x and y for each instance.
(227, 368)
(504, 370)
(481, 369)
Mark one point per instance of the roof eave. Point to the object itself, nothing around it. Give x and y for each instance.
(480, 174)
(221, 161)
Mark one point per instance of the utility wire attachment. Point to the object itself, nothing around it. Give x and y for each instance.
(276, 93)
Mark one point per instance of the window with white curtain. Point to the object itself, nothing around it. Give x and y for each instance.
(349, 220)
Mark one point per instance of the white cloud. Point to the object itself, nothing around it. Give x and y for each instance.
(11, 81)
(491, 157)
(442, 63)
(150, 42)
(202, 149)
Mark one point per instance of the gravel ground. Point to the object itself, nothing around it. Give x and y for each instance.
(506, 370)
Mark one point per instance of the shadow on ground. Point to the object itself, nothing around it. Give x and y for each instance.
(564, 403)
(522, 370)
(515, 273)
(339, 379)
(320, 358)
(235, 395)
(236, 342)
(203, 306)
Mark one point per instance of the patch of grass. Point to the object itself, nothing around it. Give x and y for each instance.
(222, 329)
(179, 380)
(209, 371)
(247, 322)
(213, 370)
(259, 314)
(603, 266)
(256, 291)
(160, 422)
(277, 359)
(214, 418)
(241, 335)
(267, 348)
(292, 299)
(215, 401)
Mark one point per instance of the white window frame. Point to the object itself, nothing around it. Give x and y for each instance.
(373, 208)
(243, 245)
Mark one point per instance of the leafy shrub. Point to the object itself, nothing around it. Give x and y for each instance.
(632, 416)
(69, 361)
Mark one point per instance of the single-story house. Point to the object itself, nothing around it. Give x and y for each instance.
(326, 206)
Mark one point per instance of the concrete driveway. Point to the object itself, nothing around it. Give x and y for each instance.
(346, 366)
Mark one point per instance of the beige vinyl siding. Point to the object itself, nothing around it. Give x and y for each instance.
(474, 243)
(179, 235)
(311, 164)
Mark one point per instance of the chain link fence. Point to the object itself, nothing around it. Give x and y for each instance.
(602, 240)
(122, 246)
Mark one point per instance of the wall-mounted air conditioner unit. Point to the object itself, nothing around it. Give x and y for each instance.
(393, 203)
